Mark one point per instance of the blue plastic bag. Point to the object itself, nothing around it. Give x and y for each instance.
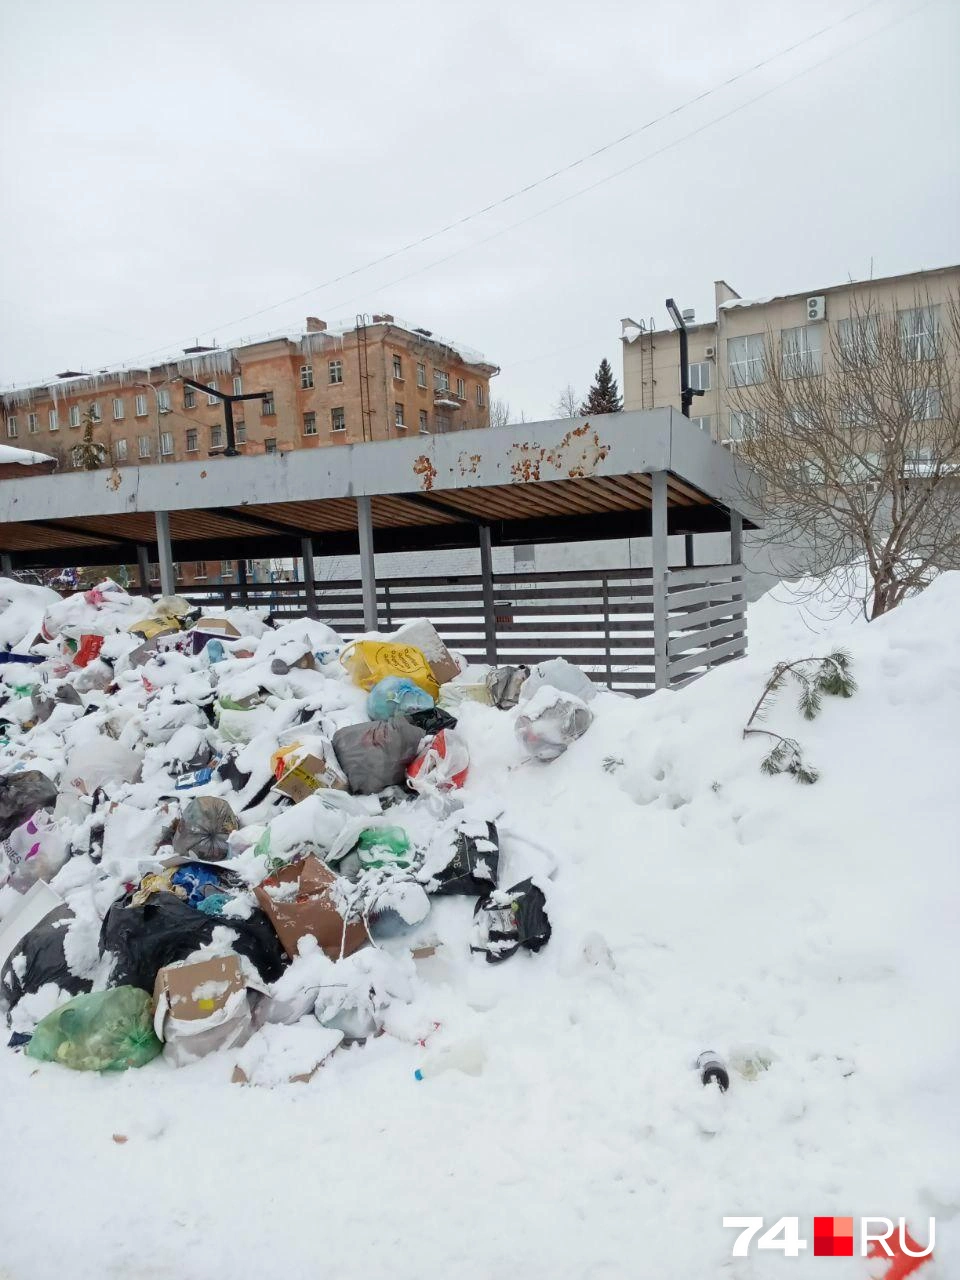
(396, 696)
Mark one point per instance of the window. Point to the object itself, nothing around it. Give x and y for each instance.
(216, 437)
(335, 371)
(923, 404)
(441, 380)
(120, 450)
(424, 430)
(193, 441)
(338, 420)
(117, 409)
(200, 569)
(397, 367)
(140, 406)
(226, 566)
(74, 415)
(95, 411)
(267, 407)
(163, 400)
(143, 446)
(802, 420)
(421, 374)
(189, 398)
(745, 359)
(921, 456)
(12, 428)
(52, 420)
(212, 399)
(919, 332)
(704, 422)
(237, 391)
(270, 445)
(461, 389)
(859, 339)
(306, 377)
(309, 424)
(744, 423)
(700, 376)
(166, 443)
(240, 431)
(802, 351)
(33, 423)
(479, 395)
(398, 416)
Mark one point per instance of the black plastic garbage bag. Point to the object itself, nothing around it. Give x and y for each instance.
(21, 795)
(165, 929)
(463, 860)
(204, 826)
(510, 919)
(375, 754)
(432, 720)
(38, 959)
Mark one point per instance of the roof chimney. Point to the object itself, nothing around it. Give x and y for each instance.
(314, 325)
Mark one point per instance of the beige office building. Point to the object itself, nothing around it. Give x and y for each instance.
(727, 351)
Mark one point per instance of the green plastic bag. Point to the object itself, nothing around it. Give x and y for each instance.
(384, 847)
(102, 1031)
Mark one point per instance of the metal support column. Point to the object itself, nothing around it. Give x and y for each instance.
(688, 553)
(368, 572)
(309, 576)
(658, 538)
(143, 564)
(486, 582)
(242, 581)
(736, 537)
(6, 564)
(168, 579)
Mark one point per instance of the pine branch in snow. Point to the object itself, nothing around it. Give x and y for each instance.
(816, 677)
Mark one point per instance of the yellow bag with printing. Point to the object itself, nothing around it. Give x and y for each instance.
(368, 661)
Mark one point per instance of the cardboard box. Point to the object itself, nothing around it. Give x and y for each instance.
(300, 902)
(202, 1008)
(423, 636)
(304, 774)
(279, 1054)
(219, 627)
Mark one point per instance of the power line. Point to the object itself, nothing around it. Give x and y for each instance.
(531, 186)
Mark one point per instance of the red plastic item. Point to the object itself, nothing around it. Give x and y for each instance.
(87, 650)
(434, 768)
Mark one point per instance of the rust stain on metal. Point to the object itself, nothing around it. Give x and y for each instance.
(579, 452)
(424, 468)
(203, 475)
(114, 479)
(469, 464)
(527, 461)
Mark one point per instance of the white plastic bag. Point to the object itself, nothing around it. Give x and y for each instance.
(560, 674)
(550, 721)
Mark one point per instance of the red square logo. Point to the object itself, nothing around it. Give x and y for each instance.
(833, 1237)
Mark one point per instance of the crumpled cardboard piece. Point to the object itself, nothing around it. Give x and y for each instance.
(203, 1007)
(299, 773)
(308, 909)
(423, 635)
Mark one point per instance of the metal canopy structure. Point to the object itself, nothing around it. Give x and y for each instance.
(638, 474)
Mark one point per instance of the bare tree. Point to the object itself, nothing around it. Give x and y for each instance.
(568, 403)
(856, 449)
(499, 413)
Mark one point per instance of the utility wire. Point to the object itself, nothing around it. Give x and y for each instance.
(539, 182)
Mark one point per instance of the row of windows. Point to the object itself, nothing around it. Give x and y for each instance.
(802, 347)
(923, 404)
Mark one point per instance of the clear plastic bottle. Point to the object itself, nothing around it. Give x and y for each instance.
(712, 1070)
(467, 1056)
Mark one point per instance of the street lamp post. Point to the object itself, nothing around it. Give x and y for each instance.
(229, 401)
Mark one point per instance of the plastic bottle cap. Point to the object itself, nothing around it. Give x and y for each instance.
(418, 1074)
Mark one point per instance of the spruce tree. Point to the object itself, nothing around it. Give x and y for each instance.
(604, 395)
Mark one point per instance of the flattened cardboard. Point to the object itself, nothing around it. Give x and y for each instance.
(176, 986)
(423, 635)
(202, 1008)
(306, 775)
(313, 913)
(219, 627)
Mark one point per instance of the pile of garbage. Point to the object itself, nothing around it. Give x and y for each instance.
(221, 833)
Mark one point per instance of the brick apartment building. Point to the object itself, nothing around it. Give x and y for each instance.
(377, 379)
(727, 352)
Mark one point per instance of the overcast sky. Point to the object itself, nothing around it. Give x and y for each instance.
(171, 168)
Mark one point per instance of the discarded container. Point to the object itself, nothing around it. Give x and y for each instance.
(299, 771)
(467, 1056)
(712, 1070)
(305, 899)
(202, 1008)
(100, 1031)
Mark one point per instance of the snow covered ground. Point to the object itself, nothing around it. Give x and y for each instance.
(696, 904)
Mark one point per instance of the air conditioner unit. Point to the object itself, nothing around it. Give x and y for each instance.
(816, 308)
(710, 353)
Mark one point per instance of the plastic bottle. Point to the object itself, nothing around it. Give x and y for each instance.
(467, 1056)
(712, 1070)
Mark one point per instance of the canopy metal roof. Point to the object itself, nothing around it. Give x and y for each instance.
(560, 481)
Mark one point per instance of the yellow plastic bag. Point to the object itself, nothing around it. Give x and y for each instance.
(370, 660)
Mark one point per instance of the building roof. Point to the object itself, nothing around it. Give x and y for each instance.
(25, 457)
(559, 481)
(835, 288)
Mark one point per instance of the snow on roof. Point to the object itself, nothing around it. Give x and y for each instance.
(26, 457)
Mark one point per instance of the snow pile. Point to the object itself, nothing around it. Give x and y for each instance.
(806, 934)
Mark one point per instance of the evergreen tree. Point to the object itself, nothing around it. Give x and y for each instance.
(604, 395)
(89, 453)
